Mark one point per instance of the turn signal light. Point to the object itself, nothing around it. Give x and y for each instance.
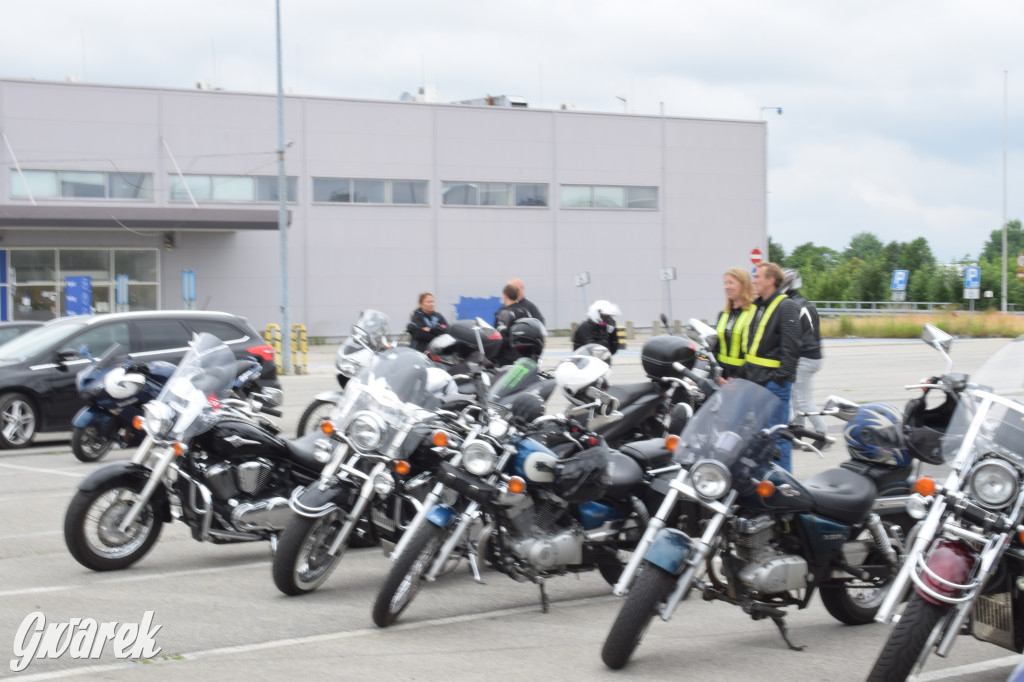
(137, 422)
(1020, 537)
(765, 489)
(925, 486)
(327, 426)
(179, 449)
(402, 467)
(439, 438)
(671, 442)
(516, 485)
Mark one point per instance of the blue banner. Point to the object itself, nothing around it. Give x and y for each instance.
(78, 296)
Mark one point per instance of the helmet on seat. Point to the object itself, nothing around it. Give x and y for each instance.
(876, 435)
(923, 427)
(576, 373)
(526, 336)
(595, 350)
(603, 311)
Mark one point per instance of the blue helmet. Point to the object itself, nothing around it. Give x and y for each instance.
(876, 435)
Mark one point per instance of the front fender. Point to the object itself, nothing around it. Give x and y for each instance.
(126, 470)
(91, 414)
(670, 550)
(949, 563)
(315, 500)
(329, 396)
(441, 516)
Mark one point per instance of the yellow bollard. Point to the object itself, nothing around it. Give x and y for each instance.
(272, 335)
(299, 348)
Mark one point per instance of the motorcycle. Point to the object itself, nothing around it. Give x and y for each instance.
(541, 495)
(115, 388)
(766, 537)
(209, 460)
(369, 336)
(963, 571)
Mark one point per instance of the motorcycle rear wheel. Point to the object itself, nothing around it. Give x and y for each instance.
(907, 640)
(316, 412)
(88, 445)
(650, 589)
(406, 576)
(301, 562)
(856, 602)
(90, 527)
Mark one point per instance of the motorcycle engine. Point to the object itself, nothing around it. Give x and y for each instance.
(767, 570)
(227, 479)
(556, 538)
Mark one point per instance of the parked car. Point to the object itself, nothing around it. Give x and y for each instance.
(9, 330)
(38, 368)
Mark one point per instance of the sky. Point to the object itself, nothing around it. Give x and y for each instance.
(897, 115)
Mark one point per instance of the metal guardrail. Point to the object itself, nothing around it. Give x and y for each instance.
(834, 308)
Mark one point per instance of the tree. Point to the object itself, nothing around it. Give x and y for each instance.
(776, 252)
(864, 246)
(810, 258)
(993, 249)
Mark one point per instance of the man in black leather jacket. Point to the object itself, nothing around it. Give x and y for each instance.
(773, 344)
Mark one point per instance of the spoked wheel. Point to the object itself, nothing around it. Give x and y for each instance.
(17, 421)
(91, 527)
(910, 638)
(88, 444)
(316, 412)
(649, 591)
(302, 562)
(406, 576)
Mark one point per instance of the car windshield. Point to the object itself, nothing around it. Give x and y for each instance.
(33, 342)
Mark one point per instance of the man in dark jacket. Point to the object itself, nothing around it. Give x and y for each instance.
(773, 348)
(528, 305)
(510, 311)
(810, 357)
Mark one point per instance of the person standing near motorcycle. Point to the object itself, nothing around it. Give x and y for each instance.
(599, 327)
(773, 345)
(510, 311)
(425, 323)
(527, 304)
(810, 355)
(733, 321)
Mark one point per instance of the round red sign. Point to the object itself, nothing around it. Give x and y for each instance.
(756, 256)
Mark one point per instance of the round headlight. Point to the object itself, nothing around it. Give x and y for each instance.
(158, 418)
(367, 431)
(479, 458)
(993, 483)
(710, 479)
(383, 484)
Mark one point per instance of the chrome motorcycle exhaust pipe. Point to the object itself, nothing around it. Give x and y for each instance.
(269, 514)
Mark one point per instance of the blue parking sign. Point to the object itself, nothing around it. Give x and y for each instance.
(972, 277)
(899, 280)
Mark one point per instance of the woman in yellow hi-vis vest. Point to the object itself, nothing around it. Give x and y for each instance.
(773, 345)
(733, 321)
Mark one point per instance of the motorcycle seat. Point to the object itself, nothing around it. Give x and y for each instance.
(649, 454)
(630, 393)
(841, 494)
(300, 451)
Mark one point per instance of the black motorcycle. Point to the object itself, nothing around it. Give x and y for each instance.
(208, 460)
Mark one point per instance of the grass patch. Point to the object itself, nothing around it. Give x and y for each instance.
(988, 324)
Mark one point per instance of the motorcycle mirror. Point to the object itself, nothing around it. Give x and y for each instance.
(706, 333)
(840, 407)
(940, 341)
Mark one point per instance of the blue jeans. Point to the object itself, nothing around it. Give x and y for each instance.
(783, 393)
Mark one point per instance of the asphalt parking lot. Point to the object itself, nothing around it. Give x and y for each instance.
(220, 616)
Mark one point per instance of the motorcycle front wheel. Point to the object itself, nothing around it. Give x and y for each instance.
(316, 412)
(88, 444)
(301, 562)
(91, 527)
(907, 640)
(650, 589)
(406, 576)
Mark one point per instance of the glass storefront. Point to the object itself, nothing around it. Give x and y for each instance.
(37, 281)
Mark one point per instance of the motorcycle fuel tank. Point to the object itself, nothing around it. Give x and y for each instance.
(234, 439)
(789, 495)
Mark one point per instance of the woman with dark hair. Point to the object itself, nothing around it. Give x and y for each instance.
(425, 323)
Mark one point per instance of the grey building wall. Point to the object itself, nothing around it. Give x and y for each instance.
(343, 258)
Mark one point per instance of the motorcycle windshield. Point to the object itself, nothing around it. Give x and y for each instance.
(726, 425)
(381, 405)
(202, 379)
(369, 335)
(110, 357)
(373, 326)
(989, 417)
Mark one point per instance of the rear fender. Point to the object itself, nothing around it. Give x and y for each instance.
(129, 472)
(670, 550)
(949, 564)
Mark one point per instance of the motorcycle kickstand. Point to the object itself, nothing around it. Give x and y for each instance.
(545, 603)
(780, 623)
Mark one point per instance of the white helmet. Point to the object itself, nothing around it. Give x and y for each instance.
(598, 309)
(440, 383)
(578, 372)
(120, 384)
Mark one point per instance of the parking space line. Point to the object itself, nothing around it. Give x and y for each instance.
(43, 471)
(31, 535)
(970, 669)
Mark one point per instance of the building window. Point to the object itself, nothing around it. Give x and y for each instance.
(609, 196)
(494, 194)
(56, 184)
(233, 188)
(369, 191)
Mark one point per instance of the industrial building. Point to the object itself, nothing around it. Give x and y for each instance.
(130, 190)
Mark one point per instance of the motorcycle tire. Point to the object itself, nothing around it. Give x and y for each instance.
(316, 412)
(406, 576)
(90, 527)
(88, 445)
(907, 640)
(856, 602)
(301, 562)
(650, 589)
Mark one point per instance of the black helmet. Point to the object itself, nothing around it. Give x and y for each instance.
(526, 336)
(924, 427)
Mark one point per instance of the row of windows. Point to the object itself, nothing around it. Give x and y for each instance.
(263, 188)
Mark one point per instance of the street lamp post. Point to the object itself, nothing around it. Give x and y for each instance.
(760, 116)
(282, 208)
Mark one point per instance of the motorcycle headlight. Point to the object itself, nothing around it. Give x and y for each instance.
(367, 431)
(993, 483)
(710, 479)
(158, 418)
(479, 458)
(383, 484)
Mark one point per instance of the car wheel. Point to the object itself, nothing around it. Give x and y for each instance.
(18, 421)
